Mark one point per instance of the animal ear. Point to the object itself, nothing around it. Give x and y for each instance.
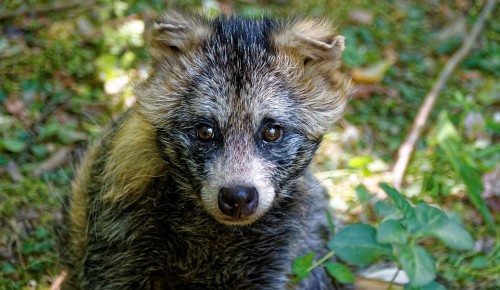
(312, 39)
(173, 33)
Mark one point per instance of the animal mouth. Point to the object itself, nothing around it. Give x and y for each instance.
(235, 221)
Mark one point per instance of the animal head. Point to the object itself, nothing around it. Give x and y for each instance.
(241, 105)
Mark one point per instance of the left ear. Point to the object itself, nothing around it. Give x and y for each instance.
(311, 39)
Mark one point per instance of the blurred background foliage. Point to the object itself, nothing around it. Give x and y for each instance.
(66, 68)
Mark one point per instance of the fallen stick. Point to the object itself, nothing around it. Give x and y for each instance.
(406, 149)
(56, 285)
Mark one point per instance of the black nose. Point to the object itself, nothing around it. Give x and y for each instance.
(238, 201)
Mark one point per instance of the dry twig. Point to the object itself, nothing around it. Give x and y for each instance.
(406, 149)
(57, 284)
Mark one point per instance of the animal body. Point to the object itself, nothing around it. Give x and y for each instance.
(204, 182)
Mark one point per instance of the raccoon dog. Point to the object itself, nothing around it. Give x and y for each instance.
(204, 182)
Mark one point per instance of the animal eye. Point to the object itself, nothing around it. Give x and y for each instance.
(205, 132)
(272, 133)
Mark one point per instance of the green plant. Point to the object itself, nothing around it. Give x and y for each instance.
(397, 238)
(450, 142)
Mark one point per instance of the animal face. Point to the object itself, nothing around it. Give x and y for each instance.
(240, 106)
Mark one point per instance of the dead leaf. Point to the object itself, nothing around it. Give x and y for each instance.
(471, 75)
(351, 135)
(14, 171)
(359, 16)
(57, 159)
(365, 91)
(489, 94)
(372, 74)
(491, 193)
(14, 106)
(17, 108)
(85, 27)
(474, 125)
(463, 5)
(456, 28)
(390, 54)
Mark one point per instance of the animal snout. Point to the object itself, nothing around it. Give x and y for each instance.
(238, 201)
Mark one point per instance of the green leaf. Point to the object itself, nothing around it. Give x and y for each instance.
(431, 286)
(429, 216)
(29, 248)
(7, 268)
(39, 150)
(302, 264)
(3, 160)
(384, 209)
(479, 262)
(69, 136)
(391, 232)
(409, 221)
(50, 129)
(449, 141)
(360, 161)
(356, 244)
(453, 235)
(36, 265)
(13, 145)
(363, 194)
(433, 222)
(418, 265)
(41, 232)
(340, 272)
(401, 203)
(331, 223)
(488, 94)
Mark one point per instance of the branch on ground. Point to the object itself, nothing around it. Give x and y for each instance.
(406, 149)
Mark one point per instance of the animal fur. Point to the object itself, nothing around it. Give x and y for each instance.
(144, 211)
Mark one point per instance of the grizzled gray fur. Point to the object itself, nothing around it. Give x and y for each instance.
(204, 182)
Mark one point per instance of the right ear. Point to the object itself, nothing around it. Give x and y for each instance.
(175, 33)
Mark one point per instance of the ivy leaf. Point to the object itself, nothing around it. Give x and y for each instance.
(340, 272)
(391, 232)
(302, 264)
(435, 223)
(356, 244)
(418, 265)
